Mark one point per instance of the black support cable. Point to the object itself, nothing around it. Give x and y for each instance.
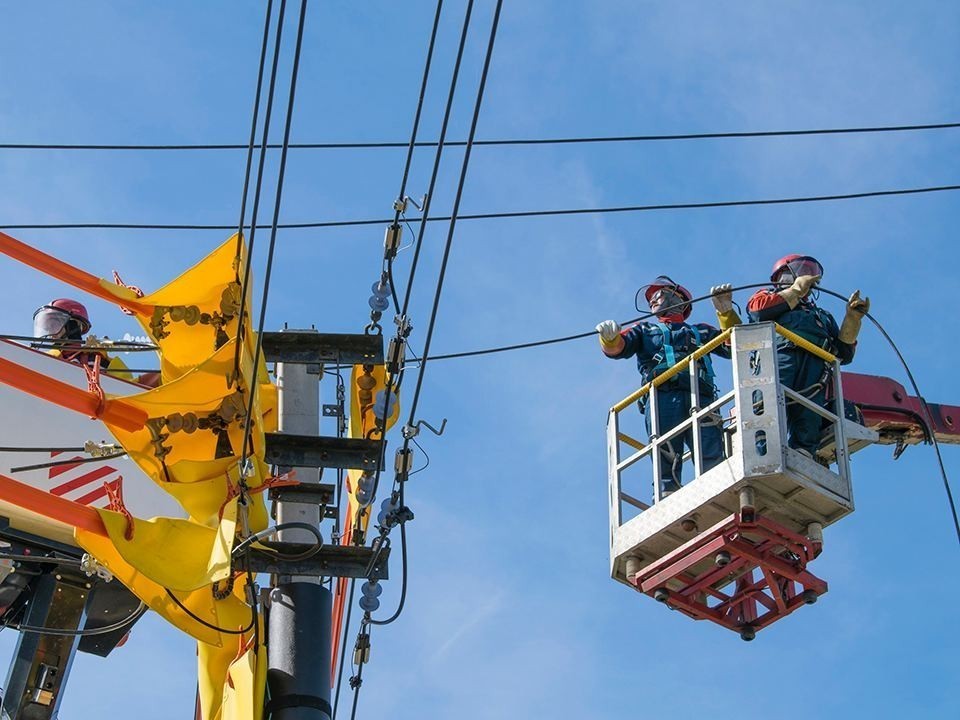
(416, 118)
(441, 144)
(439, 291)
(253, 124)
(276, 217)
(268, 112)
(343, 647)
(491, 142)
(923, 405)
(68, 632)
(453, 219)
(400, 202)
(389, 388)
(499, 215)
(357, 681)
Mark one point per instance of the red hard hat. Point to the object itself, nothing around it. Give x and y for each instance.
(75, 310)
(787, 260)
(663, 281)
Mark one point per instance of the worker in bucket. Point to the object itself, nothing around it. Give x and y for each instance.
(791, 303)
(64, 323)
(658, 346)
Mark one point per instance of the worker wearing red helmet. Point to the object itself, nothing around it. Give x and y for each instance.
(64, 320)
(790, 304)
(657, 347)
(67, 322)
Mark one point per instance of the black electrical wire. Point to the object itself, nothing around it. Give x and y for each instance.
(273, 530)
(73, 562)
(923, 404)
(248, 416)
(73, 461)
(502, 215)
(343, 648)
(291, 98)
(258, 186)
(400, 202)
(425, 213)
(43, 449)
(403, 578)
(492, 142)
(121, 345)
(253, 123)
(426, 457)
(244, 631)
(438, 155)
(437, 295)
(903, 362)
(453, 220)
(416, 117)
(357, 680)
(63, 632)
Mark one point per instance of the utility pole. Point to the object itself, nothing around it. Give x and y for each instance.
(300, 607)
(299, 613)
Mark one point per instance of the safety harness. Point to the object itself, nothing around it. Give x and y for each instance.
(667, 357)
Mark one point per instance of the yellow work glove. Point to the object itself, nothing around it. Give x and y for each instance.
(800, 289)
(857, 307)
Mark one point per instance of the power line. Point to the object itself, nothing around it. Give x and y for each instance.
(375, 145)
(503, 215)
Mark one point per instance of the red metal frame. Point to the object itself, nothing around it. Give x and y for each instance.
(886, 405)
(766, 567)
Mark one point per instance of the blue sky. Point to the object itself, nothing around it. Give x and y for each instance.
(510, 610)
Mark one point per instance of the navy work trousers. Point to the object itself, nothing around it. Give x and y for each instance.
(673, 407)
(798, 371)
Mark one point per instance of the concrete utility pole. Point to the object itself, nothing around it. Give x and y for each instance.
(299, 615)
(300, 611)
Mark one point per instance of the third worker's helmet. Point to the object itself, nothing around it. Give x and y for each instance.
(51, 319)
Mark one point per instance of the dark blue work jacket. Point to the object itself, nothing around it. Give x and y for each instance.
(807, 320)
(645, 341)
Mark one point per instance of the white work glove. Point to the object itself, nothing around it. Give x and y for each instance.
(857, 307)
(722, 297)
(609, 331)
(800, 288)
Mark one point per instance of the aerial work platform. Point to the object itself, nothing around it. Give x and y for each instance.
(732, 544)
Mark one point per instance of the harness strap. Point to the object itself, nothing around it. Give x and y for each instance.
(707, 362)
(668, 355)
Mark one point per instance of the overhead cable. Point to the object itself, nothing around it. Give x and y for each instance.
(503, 215)
(258, 186)
(491, 142)
(258, 350)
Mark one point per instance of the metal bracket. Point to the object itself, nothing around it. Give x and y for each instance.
(411, 431)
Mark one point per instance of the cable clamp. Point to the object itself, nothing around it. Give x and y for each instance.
(361, 654)
(408, 199)
(246, 468)
(403, 461)
(411, 431)
(91, 566)
(391, 240)
(95, 449)
(395, 355)
(403, 325)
